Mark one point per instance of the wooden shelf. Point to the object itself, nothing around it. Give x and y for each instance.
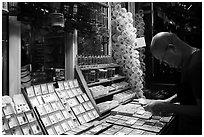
(100, 67)
(111, 93)
(105, 81)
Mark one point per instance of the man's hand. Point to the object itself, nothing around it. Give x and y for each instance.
(156, 107)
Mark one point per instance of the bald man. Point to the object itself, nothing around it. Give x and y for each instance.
(169, 49)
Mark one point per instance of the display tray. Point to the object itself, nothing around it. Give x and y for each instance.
(61, 109)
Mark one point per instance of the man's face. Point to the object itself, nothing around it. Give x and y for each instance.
(168, 56)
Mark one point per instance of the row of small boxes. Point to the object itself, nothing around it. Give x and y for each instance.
(98, 128)
(51, 110)
(121, 130)
(124, 96)
(80, 105)
(66, 105)
(78, 102)
(154, 126)
(120, 85)
(49, 88)
(21, 124)
(101, 90)
(17, 118)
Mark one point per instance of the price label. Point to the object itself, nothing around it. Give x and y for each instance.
(85, 97)
(65, 126)
(46, 121)
(61, 85)
(30, 91)
(76, 110)
(81, 100)
(71, 84)
(50, 87)
(37, 90)
(44, 88)
(76, 84)
(51, 131)
(35, 127)
(66, 85)
(81, 119)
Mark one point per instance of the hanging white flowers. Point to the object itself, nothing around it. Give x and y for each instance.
(124, 41)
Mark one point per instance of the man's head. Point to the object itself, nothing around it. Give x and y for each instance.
(167, 48)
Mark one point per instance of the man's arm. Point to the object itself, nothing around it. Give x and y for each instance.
(171, 99)
(187, 110)
(158, 106)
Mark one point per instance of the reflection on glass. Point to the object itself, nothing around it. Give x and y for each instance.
(93, 41)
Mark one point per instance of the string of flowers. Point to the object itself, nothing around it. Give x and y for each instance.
(125, 49)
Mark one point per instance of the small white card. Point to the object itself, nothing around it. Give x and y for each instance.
(75, 92)
(40, 100)
(20, 103)
(37, 90)
(53, 118)
(66, 85)
(44, 88)
(86, 117)
(61, 85)
(48, 108)
(51, 131)
(72, 102)
(59, 116)
(71, 124)
(79, 90)
(54, 106)
(86, 106)
(71, 84)
(35, 127)
(95, 113)
(70, 93)
(30, 116)
(81, 119)
(46, 121)
(22, 119)
(90, 105)
(81, 108)
(65, 126)
(50, 87)
(76, 84)
(26, 130)
(66, 114)
(59, 129)
(91, 115)
(76, 110)
(41, 110)
(13, 122)
(85, 97)
(30, 91)
(141, 42)
(8, 109)
(17, 131)
(34, 101)
(59, 104)
(81, 100)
